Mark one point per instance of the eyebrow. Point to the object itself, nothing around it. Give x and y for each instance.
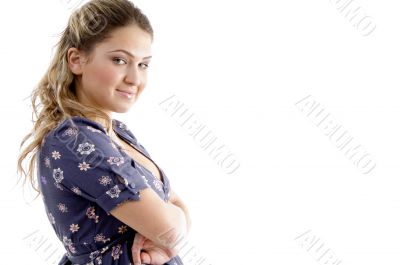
(130, 54)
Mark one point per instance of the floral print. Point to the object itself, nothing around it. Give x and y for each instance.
(122, 229)
(114, 192)
(70, 131)
(115, 160)
(105, 180)
(76, 190)
(85, 148)
(91, 176)
(62, 208)
(84, 166)
(90, 213)
(56, 155)
(43, 179)
(157, 184)
(51, 218)
(47, 161)
(101, 238)
(116, 251)
(67, 242)
(145, 180)
(74, 228)
(58, 175)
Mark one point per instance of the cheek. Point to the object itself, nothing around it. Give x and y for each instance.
(143, 83)
(141, 87)
(107, 76)
(103, 79)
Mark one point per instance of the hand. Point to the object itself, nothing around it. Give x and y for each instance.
(144, 251)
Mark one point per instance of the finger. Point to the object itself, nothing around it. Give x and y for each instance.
(136, 248)
(145, 257)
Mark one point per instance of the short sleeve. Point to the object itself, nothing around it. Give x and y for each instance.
(89, 164)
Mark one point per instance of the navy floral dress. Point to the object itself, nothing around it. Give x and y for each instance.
(83, 174)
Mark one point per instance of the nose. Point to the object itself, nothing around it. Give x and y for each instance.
(133, 76)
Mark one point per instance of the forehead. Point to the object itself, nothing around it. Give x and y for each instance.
(130, 38)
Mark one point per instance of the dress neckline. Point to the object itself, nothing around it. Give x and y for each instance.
(133, 145)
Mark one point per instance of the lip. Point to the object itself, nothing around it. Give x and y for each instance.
(126, 93)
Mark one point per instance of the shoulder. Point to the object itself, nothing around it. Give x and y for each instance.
(80, 142)
(69, 125)
(74, 129)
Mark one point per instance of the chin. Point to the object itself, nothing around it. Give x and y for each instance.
(122, 108)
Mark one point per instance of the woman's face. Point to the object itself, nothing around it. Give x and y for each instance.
(116, 73)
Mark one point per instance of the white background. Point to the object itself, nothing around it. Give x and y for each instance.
(240, 67)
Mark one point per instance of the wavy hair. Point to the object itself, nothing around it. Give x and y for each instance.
(54, 97)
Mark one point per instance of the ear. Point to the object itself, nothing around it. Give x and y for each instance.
(76, 60)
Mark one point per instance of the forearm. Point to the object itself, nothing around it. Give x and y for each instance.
(185, 210)
(174, 238)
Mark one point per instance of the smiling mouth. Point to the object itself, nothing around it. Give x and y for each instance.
(126, 94)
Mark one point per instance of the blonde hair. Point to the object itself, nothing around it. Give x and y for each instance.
(87, 26)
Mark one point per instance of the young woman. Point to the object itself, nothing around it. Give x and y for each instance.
(106, 199)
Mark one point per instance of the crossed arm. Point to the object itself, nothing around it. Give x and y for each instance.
(144, 251)
(176, 200)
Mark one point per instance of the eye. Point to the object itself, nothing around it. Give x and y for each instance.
(145, 65)
(118, 60)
